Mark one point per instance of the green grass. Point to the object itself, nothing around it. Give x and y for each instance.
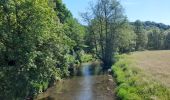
(134, 84)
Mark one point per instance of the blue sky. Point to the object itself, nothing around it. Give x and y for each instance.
(144, 10)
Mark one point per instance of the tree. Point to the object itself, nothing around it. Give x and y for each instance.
(62, 12)
(155, 39)
(33, 48)
(71, 27)
(75, 31)
(167, 41)
(106, 21)
(141, 36)
(126, 39)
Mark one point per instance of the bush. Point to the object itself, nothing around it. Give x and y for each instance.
(86, 57)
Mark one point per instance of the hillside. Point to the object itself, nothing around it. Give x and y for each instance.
(151, 24)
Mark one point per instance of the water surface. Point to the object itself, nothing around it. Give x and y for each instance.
(85, 87)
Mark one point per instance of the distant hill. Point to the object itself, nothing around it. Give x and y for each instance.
(151, 24)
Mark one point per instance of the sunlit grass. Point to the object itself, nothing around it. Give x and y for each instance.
(135, 84)
(156, 64)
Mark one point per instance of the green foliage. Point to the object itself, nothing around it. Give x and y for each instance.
(75, 32)
(155, 39)
(108, 35)
(134, 85)
(167, 41)
(40, 41)
(62, 12)
(151, 35)
(70, 59)
(161, 26)
(32, 48)
(126, 39)
(108, 30)
(141, 36)
(86, 57)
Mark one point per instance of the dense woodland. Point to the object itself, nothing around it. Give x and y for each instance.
(40, 41)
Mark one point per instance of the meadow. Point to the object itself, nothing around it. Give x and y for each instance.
(143, 75)
(154, 63)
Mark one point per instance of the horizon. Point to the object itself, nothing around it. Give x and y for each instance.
(154, 11)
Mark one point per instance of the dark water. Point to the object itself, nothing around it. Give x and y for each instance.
(85, 87)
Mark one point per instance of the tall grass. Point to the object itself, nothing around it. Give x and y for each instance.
(134, 84)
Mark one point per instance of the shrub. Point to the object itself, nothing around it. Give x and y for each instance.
(86, 57)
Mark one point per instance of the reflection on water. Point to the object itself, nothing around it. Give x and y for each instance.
(86, 70)
(86, 87)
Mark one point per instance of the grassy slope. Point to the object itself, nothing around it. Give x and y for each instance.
(135, 75)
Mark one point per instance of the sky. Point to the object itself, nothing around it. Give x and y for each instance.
(144, 10)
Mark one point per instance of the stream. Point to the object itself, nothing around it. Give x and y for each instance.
(84, 87)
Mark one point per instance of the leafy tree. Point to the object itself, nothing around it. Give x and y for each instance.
(155, 39)
(75, 31)
(92, 39)
(107, 26)
(149, 25)
(141, 36)
(126, 39)
(167, 41)
(72, 28)
(62, 12)
(32, 48)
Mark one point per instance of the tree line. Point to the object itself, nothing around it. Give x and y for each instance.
(156, 36)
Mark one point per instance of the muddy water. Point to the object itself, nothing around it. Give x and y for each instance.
(85, 87)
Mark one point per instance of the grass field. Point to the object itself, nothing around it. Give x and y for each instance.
(154, 63)
(143, 75)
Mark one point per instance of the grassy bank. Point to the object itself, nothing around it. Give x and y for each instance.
(134, 84)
